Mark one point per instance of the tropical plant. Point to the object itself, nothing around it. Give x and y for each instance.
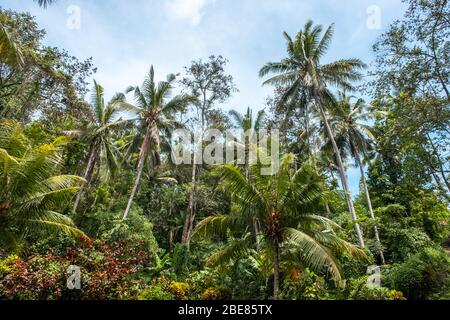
(156, 116)
(98, 134)
(302, 71)
(45, 3)
(355, 136)
(10, 51)
(284, 204)
(31, 188)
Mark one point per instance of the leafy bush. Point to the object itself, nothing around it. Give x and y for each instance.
(357, 289)
(157, 291)
(107, 272)
(180, 290)
(304, 285)
(423, 275)
(110, 227)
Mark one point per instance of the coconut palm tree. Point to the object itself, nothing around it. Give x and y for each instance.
(156, 114)
(45, 3)
(302, 70)
(285, 204)
(246, 123)
(98, 134)
(31, 188)
(355, 136)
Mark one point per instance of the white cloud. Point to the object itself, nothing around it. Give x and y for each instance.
(188, 9)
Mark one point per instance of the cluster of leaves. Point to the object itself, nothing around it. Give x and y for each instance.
(107, 272)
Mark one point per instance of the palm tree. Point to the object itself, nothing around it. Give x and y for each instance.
(246, 123)
(284, 203)
(354, 136)
(302, 71)
(98, 134)
(156, 113)
(31, 188)
(45, 3)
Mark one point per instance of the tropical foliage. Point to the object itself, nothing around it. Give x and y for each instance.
(91, 182)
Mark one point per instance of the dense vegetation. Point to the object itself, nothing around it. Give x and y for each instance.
(92, 183)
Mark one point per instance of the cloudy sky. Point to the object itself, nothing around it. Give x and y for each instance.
(126, 36)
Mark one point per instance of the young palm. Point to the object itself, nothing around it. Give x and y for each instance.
(284, 204)
(302, 71)
(31, 190)
(98, 135)
(156, 112)
(355, 136)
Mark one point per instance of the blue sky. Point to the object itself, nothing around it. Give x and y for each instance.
(126, 37)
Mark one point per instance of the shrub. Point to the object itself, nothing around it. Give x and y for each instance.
(423, 275)
(157, 291)
(305, 285)
(180, 290)
(107, 273)
(357, 289)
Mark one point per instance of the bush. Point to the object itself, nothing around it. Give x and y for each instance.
(425, 275)
(108, 272)
(304, 285)
(357, 289)
(158, 291)
(110, 227)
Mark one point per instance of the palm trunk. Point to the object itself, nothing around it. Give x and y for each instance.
(247, 177)
(276, 270)
(140, 168)
(87, 175)
(369, 205)
(337, 154)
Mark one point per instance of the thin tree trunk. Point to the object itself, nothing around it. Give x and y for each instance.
(341, 171)
(186, 236)
(87, 175)
(140, 168)
(276, 270)
(369, 205)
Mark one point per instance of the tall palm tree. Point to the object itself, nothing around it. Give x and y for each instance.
(246, 123)
(31, 188)
(302, 70)
(285, 204)
(156, 112)
(355, 136)
(98, 134)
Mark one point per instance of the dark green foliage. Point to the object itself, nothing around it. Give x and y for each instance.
(425, 275)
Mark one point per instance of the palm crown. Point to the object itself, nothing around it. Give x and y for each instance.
(32, 187)
(155, 109)
(284, 204)
(302, 74)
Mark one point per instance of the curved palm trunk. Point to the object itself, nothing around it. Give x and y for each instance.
(88, 174)
(276, 271)
(140, 168)
(337, 154)
(369, 205)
